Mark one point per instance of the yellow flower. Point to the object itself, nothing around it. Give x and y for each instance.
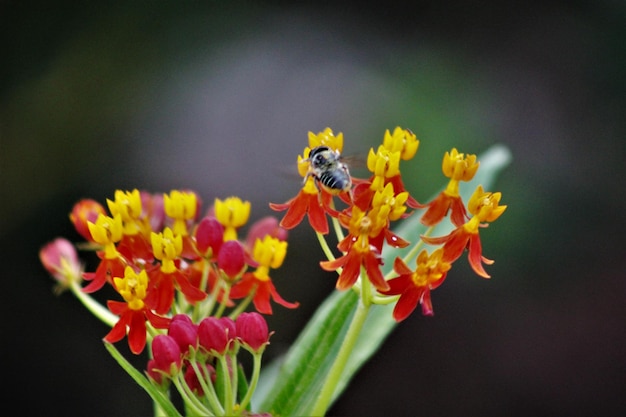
(232, 213)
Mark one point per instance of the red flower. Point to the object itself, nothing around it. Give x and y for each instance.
(414, 286)
(439, 207)
(360, 254)
(133, 311)
(306, 203)
(268, 253)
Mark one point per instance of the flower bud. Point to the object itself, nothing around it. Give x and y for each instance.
(231, 258)
(209, 235)
(266, 226)
(60, 259)
(184, 332)
(86, 210)
(166, 354)
(252, 330)
(216, 334)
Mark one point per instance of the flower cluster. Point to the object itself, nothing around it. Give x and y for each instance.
(374, 203)
(177, 274)
(183, 281)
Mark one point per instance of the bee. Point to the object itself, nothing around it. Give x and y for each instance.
(328, 170)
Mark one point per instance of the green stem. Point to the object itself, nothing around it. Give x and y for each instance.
(209, 391)
(326, 395)
(256, 372)
(94, 306)
(189, 398)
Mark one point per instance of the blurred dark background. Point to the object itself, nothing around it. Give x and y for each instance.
(219, 97)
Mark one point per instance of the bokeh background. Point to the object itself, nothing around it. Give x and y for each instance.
(219, 97)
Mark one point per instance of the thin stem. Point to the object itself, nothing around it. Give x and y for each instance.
(94, 306)
(333, 378)
(190, 399)
(209, 391)
(325, 247)
(256, 372)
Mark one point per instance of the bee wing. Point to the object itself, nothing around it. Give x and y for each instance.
(354, 161)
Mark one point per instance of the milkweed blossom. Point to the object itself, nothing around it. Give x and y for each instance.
(179, 279)
(382, 199)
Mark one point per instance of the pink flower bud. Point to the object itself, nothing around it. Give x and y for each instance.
(60, 259)
(166, 354)
(252, 330)
(216, 334)
(184, 332)
(231, 258)
(266, 226)
(209, 235)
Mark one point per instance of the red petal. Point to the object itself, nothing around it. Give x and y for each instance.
(437, 210)
(317, 216)
(280, 299)
(296, 211)
(407, 303)
(400, 267)
(137, 332)
(350, 272)
(398, 285)
(261, 299)
(456, 244)
(192, 294)
(427, 305)
(372, 266)
(118, 331)
(475, 256)
(458, 214)
(334, 264)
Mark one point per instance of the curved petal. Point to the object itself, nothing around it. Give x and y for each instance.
(350, 272)
(437, 210)
(192, 294)
(118, 331)
(455, 245)
(400, 267)
(372, 266)
(295, 213)
(261, 299)
(398, 285)
(276, 297)
(475, 256)
(407, 303)
(137, 332)
(317, 215)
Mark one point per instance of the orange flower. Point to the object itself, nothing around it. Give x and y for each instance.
(458, 167)
(485, 208)
(414, 286)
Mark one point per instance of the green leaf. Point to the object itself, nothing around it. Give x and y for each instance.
(157, 396)
(302, 372)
